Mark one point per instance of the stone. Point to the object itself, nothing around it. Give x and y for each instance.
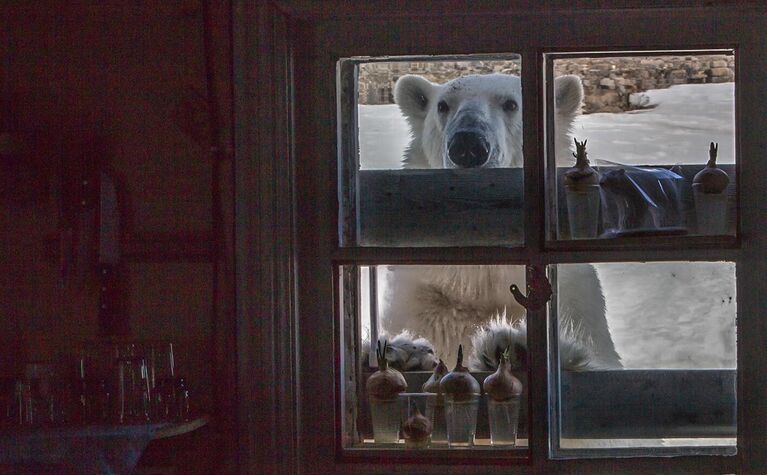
(719, 72)
(602, 67)
(648, 84)
(697, 78)
(677, 74)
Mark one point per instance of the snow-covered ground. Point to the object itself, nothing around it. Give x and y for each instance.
(662, 315)
(677, 131)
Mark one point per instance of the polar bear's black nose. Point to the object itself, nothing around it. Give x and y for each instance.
(468, 149)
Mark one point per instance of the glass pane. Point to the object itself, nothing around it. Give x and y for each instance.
(431, 151)
(424, 315)
(654, 372)
(649, 126)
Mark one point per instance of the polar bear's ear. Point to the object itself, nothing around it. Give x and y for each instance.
(568, 93)
(412, 93)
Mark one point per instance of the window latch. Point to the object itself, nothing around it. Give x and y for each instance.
(538, 289)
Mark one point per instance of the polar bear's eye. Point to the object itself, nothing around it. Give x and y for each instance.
(442, 107)
(510, 105)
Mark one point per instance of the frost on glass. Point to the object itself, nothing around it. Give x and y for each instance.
(419, 316)
(673, 390)
(649, 123)
(432, 151)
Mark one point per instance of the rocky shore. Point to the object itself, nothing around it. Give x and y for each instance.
(611, 84)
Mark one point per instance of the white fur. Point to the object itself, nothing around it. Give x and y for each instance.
(499, 334)
(404, 352)
(483, 95)
(447, 304)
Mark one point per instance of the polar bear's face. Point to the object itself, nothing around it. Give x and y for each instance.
(474, 121)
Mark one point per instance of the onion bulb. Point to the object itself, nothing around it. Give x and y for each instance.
(502, 385)
(386, 383)
(711, 179)
(581, 175)
(416, 430)
(432, 384)
(459, 383)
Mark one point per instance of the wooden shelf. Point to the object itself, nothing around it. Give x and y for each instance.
(87, 449)
(156, 430)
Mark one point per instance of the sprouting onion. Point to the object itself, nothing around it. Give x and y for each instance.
(386, 383)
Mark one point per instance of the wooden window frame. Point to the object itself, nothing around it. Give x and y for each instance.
(286, 209)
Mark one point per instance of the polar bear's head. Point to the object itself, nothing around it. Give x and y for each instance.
(475, 121)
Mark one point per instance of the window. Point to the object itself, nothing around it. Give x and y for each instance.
(338, 256)
(657, 128)
(411, 184)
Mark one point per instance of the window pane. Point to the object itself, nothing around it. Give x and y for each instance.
(673, 389)
(648, 126)
(424, 314)
(431, 151)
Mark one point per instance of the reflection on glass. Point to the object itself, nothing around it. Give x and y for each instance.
(399, 104)
(649, 122)
(424, 313)
(440, 153)
(673, 325)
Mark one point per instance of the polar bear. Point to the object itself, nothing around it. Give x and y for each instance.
(476, 121)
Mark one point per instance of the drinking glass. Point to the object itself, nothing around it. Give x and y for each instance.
(504, 419)
(461, 417)
(133, 384)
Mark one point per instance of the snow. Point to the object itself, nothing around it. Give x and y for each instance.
(677, 131)
(661, 315)
(384, 136)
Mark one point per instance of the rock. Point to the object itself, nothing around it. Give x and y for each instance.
(719, 79)
(602, 67)
(607, 83)
(648, 84)
(719, 72)
(697, 78)
(678, 74)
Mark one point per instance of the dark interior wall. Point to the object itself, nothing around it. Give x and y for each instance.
(123, 85)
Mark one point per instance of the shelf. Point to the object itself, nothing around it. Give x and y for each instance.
(172, 429)
(86, 449)
(157, 430)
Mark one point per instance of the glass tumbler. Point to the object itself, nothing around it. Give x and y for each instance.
(461, 418)
(385, 414)
(710, 211)
(163, 380)
(435, 411)
(583, 211)
(504, 418)
(133, 391)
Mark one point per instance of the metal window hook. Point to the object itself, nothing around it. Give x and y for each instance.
(538, 289)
